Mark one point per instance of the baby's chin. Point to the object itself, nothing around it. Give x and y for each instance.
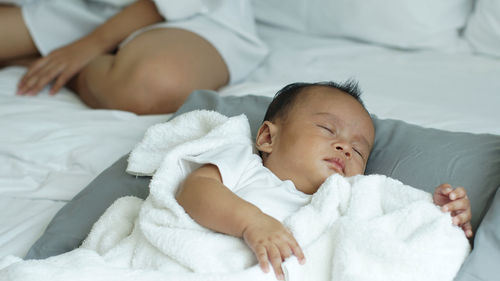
(352, 173)
(332, 172)
(311, 189)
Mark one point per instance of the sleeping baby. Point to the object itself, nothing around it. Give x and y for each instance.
(218, 211)
(310, 131)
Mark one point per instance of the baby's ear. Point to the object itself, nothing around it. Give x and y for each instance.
(265, 137)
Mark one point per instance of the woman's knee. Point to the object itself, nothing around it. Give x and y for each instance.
(156, 71)
(150, 86)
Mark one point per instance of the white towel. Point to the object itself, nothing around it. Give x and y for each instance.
(358, 228)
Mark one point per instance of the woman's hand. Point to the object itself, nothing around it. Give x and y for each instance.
(58, 66)
(62, 64)
(457, 203)
(271, 242)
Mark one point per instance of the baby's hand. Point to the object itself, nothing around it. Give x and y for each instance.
(271, 242)
(457, 203)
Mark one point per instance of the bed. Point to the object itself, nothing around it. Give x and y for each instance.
(52, 147)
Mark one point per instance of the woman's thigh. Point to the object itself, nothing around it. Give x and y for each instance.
(16, 41)
(160, 67)
(182, 52)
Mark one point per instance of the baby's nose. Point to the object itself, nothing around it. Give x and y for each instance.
(344, 149)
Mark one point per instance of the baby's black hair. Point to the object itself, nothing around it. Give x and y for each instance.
(286, 97)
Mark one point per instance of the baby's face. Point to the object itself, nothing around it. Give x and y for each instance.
(325, 132)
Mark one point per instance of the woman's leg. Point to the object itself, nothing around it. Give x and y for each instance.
(16, 39)
(153, 73)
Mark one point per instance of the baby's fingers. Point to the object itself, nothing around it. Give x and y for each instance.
(271, 254)
(297, 251)
(459, 192)
(457, 205)
(461, 218)
(467, 227)
(443, 189)
(275, 259)
(261, 254)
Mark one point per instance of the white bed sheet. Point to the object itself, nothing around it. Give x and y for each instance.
(52, 147)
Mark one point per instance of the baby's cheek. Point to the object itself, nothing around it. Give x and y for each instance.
(356, 169)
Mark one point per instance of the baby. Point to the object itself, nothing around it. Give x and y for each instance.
(310, 131)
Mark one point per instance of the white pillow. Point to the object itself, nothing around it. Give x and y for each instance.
(407, 24)
(483, 28)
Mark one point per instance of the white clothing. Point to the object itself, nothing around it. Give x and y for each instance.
(226, 24)
(243, 173)
(56, 23)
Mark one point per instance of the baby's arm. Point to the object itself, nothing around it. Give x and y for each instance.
(213, 205)
(457, 203)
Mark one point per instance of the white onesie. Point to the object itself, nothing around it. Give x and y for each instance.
(242, 172)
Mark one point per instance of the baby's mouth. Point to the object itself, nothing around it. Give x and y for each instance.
(336, 164)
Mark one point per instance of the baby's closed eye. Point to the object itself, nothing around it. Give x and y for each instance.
(328, 129)
(358, 151)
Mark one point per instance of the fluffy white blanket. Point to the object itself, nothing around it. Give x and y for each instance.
(358, 228)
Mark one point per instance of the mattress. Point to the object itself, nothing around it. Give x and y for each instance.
(53, 146)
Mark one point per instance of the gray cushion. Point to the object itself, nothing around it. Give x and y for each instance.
(417, 156)
(73, 222)
(425, 158)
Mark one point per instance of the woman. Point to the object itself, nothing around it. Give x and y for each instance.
(177, 47)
